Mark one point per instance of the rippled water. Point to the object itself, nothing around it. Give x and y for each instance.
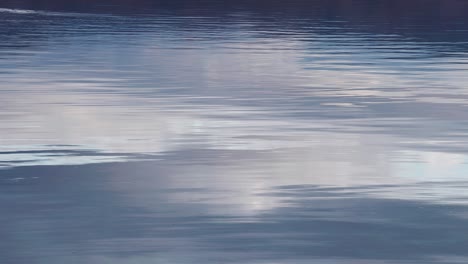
(233, 132)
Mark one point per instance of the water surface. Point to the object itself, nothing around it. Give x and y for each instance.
(233, 132)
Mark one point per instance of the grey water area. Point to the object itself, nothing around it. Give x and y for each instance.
(256, 132)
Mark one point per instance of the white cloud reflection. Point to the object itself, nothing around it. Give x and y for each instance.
(313, 125)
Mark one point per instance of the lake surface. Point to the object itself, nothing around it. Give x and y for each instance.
(255, 132)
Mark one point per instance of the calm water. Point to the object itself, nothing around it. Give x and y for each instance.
(255, 132)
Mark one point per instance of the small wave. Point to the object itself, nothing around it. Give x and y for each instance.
(17, 11)
(48, 13)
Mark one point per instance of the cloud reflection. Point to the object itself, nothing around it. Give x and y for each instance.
(129, 219)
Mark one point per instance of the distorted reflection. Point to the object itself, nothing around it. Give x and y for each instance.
(243, 132)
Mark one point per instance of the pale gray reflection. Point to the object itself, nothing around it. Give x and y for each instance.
(123, 109)
(98, 214)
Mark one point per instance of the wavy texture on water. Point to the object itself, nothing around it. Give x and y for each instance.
(258, 132)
